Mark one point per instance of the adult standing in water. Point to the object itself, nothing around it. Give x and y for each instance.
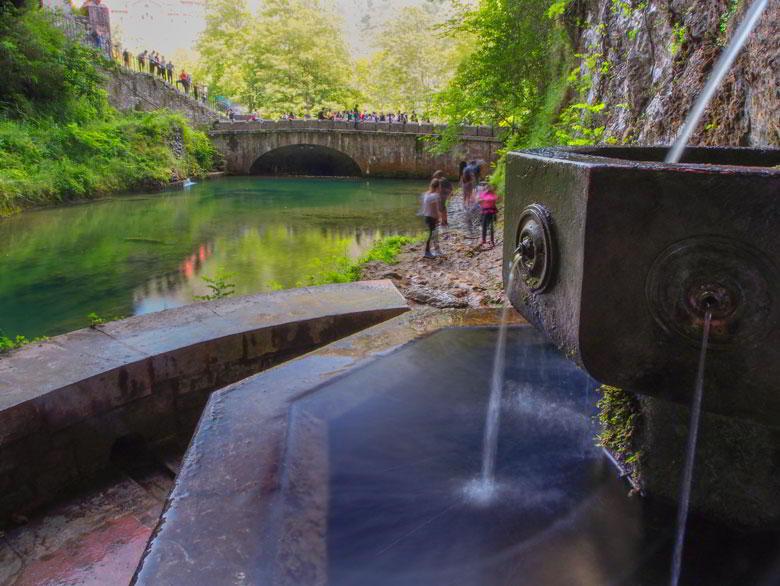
(431, 212)
(445, 191)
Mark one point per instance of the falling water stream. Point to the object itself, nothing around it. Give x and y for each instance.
(721, 68)
(693, 434)
(483, 489)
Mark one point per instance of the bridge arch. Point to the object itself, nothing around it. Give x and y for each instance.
(306, 159)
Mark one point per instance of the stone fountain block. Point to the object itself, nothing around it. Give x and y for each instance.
(620, 253)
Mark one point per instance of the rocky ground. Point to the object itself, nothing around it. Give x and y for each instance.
(465, 276)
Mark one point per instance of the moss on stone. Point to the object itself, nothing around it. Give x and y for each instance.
(620, 419)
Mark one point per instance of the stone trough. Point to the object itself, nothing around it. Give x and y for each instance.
(619, 255)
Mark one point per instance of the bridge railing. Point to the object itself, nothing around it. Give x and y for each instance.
(324, 125)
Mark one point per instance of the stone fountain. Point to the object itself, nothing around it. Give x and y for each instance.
(619, 257)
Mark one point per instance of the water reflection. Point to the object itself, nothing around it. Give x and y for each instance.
(144, 253)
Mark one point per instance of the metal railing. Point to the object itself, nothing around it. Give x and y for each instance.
(74, 27)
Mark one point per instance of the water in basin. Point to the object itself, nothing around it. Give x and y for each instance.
(391, 449)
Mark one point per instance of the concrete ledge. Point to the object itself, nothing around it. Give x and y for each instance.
(64, 402)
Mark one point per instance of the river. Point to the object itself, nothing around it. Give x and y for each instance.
(146, 252)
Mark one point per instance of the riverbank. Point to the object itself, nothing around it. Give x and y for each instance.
(466, 276)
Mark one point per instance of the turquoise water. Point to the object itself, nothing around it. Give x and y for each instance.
(147, 252)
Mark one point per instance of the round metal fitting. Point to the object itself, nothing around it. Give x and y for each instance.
(534, 257)
(731, 279)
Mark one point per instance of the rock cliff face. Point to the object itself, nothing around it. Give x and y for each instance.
(129, 90)
(647, 61)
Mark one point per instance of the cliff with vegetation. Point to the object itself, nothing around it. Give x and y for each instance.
(59, 137)
(645, 62)
(578, 72)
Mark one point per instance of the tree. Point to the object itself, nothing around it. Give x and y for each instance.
(297, 60)
(222, 47)
(517, 59)
(414, 60)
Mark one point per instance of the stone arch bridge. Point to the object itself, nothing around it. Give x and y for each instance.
(331, 148)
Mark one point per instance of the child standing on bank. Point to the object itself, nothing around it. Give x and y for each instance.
(488, 203)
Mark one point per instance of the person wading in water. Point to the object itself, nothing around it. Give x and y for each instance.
(431, 211)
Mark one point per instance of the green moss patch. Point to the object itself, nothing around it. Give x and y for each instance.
(620, 420)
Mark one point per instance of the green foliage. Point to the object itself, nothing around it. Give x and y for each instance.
(679, 33)
(620, 419)
(386, 250)
(290, 57)
(43, 72)
(60, 139)
(345, 270)
(725, 21)
(558, 8)
(579, 124)
(221, 286)
(415, 59)
(222, 47)
(43, 161)
(503, 80)
(8, 344)
(297, 60)
(95, 320)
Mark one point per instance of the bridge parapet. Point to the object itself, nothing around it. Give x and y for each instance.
(396, 127)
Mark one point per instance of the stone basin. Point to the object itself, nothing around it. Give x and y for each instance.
(621, 252)
(350, 466)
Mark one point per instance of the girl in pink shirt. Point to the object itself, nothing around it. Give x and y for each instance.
(488, 203)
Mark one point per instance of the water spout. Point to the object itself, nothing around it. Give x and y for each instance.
(693, 434)
(721, 68)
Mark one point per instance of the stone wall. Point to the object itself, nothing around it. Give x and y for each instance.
(652, 59)
(65, 402)
(130, 90)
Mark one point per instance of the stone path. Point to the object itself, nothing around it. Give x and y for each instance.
(466, 276)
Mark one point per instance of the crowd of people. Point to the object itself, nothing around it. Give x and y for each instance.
(154, 63)
(480, 200)
(358, 115)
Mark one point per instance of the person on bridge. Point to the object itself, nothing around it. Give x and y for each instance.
(431, 211)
